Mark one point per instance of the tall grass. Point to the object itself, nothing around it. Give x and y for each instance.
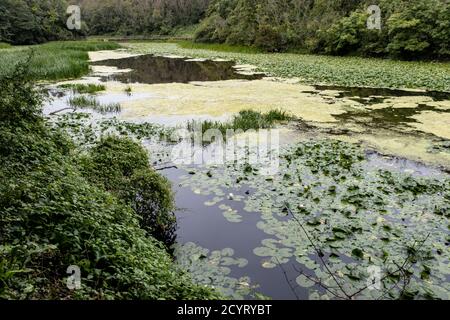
(84, 88)
(4, 45)
(244, 120)
(54, 60)
(83, 102)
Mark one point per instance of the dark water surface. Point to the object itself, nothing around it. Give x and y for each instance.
(207, 227)
(151, 69)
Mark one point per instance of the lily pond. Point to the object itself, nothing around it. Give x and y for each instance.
(358, 207)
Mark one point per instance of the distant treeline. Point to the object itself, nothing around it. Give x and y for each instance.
(140, 17)
(410, 29)
(37, 21)
(33, 21)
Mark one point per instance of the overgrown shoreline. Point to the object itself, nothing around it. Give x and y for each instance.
(54, 60)
(100, 212)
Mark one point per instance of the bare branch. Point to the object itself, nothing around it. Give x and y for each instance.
(318, 251)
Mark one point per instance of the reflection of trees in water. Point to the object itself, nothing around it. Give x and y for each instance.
(151, 69)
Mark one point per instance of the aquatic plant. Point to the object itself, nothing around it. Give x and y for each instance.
(84, 88)
(314, 69)
(122, 167)
(213, 268)
(244, 120)
(357, 217)
(83, 101)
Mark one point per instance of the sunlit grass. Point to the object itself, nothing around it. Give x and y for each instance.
(4, 45)
(54, 60)
(218, 47)
(84, 88)
(88, 102)
(244, 120)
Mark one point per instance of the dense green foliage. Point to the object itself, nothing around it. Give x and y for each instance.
(54, 60)
(34, 21)
(121, 167)
(52, 217)
(141, 16)
(410, 29)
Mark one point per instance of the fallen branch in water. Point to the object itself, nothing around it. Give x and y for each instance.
(318, 251)
(61, 110)
(402, 269)
(165, 168)
(287, 279)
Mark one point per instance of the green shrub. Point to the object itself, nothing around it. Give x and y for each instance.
(270, 39)
(212, 29)
(121, 166)
(113, 161)
(150, 196)
(420, 30)
(19, 100)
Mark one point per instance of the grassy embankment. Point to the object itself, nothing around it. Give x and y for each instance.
(54, 60)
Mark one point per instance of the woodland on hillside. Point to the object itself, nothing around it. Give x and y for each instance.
(410, 29)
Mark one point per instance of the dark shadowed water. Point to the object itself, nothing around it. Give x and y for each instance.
(388, 117)
(207, 227)
(359, 92)
(155, 69)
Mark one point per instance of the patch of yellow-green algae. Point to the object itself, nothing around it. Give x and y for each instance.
(433, 122)
(442, 105)
(220, 98)
(405, 146)
(95, 56)
(224, 98)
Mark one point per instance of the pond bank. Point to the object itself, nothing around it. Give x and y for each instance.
(234, 231)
